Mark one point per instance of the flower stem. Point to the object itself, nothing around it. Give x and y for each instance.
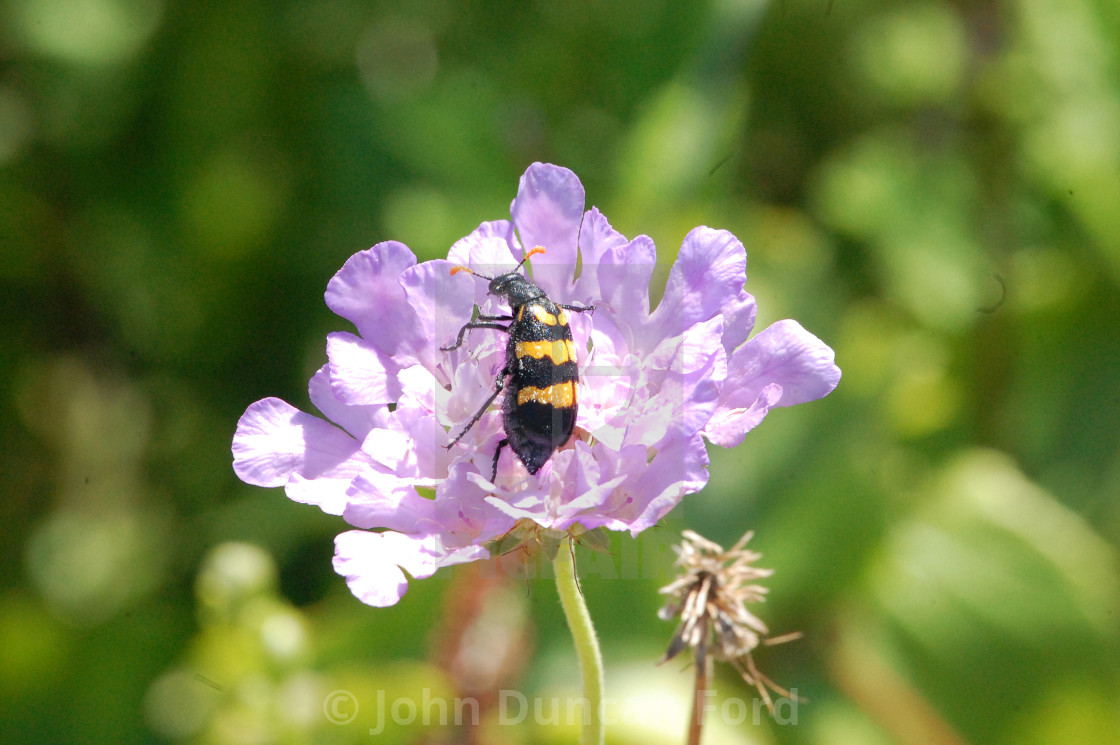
(699, 696)
(587, 644)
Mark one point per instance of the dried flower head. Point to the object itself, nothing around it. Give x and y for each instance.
(711, 597)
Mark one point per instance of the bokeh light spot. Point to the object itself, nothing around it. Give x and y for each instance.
(91, 32)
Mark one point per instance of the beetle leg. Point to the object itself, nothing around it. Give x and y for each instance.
(578, 308)
(498, 451)
(486, 322)
(499, 384)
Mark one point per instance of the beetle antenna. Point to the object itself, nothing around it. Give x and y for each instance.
(459, 268)
(528, 254)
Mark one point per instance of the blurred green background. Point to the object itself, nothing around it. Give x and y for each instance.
(932, 187)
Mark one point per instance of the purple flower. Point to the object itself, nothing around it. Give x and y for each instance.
(653, 386)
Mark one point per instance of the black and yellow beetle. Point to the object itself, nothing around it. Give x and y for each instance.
(539, 408)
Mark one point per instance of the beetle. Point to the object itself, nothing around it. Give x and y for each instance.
(539, 408)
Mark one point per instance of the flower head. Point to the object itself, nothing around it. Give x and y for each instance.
(710, 596)
(653, 385)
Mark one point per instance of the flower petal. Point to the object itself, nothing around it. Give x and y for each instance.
(328, 491)
(357, 420)
(276, 444)
(708, 275)
(615, 510)
(372, 562)
(491, 243)
(786, 354)
(728, 426)
(686, 372)
(490, 249)
(547, 212)
(381, 500)
(781, 366)
(679, 468)
(360, 374)
(623, 275)
(442, 304)
(739, 317)
(596, 237)
(462, 513)
(366, 292)
(585, 486)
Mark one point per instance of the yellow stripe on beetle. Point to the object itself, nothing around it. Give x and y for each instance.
(561, 395)
(543, 315)
(560, 351)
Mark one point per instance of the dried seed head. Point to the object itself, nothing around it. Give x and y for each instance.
(711, 595)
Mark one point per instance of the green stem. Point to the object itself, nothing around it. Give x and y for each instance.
(587, 645)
